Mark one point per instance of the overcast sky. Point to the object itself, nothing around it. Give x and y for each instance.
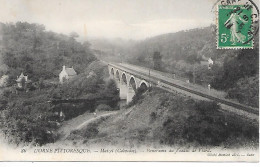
(128, 19)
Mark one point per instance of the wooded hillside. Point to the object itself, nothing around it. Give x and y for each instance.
(186, 53)
(234, 71)
(29, 48)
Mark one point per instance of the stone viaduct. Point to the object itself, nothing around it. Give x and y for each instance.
(126, 82)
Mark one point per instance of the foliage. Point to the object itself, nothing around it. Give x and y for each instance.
(153, 117)
(28, 119)
(91, 86)
(103, 107)
(40, 54)
(29, 48)
(184, 53)
(246, 91)
(91, 131)
(244, 65)
(206, 126)
(138, 97)
(157, 61)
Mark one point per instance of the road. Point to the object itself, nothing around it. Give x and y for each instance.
(80, 122)
(194, 90)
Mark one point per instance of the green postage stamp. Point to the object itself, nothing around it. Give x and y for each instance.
(235, 26)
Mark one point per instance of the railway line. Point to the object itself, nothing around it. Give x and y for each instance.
(154, 80)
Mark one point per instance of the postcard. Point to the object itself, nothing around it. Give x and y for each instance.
(129, 80)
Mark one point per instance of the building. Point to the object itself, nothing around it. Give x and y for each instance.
(210, 63)
(66, 74)
(22, 81)
(4, 81)
(207, 62)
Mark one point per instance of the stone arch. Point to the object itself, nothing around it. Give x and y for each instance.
(124, 78)
(132, 83)
(143, 82)
(143, 87)
(117, 75)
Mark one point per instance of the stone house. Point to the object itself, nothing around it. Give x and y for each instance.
(66, 74)
(207, 62)
(22, 81)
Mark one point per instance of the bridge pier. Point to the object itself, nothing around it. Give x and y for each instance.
(118, 84)
(130, 94)
(126, 82)
(123, 91)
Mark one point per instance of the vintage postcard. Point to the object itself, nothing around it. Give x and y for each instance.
(129, 80)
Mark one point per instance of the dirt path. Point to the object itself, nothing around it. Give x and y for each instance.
(81, 121)
(93, 119)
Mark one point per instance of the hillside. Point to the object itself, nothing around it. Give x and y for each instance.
(161, 119)
(38, 53)
(28, 115)
(115, 50)
(186, 53)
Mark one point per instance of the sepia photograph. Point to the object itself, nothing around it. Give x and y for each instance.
(129, 80)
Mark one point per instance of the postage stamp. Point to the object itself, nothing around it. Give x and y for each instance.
(236, 24)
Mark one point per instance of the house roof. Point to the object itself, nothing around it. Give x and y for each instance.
(20, 78)
(70, 71)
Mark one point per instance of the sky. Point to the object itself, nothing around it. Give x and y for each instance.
(126, 19)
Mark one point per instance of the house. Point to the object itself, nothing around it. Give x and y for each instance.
(207, 62)
(22, 81)
(4, 81)
(66, 74)
(210, 63)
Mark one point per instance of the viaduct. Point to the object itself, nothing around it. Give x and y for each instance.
(127, 82)
(130, 77)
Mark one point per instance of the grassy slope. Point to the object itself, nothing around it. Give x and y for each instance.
(145, 124)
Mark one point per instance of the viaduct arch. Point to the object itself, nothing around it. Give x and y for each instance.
(127, 83)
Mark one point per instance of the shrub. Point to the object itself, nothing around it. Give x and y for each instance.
(3, 104)
(138, 97)
(209, 126)
(153, 117)
(206, 126)
(246, 91)
(103, 107)
(91, 131)
(206, 107)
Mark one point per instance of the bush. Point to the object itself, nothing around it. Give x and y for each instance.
(103, 107)
(246, 91)
(138, 97)
(209, 126)
(206, 107)
(3, 104)
(206, 126)
(91, 131)
(172, 130)
(73, 110)
(153, 117)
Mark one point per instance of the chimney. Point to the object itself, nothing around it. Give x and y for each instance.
(63, 67)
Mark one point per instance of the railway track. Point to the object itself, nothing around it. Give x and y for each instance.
(154, 80)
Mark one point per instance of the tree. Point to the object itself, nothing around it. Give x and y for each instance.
(157, 61)
(74, 35)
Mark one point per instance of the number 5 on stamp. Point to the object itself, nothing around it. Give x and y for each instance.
(234, 27)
